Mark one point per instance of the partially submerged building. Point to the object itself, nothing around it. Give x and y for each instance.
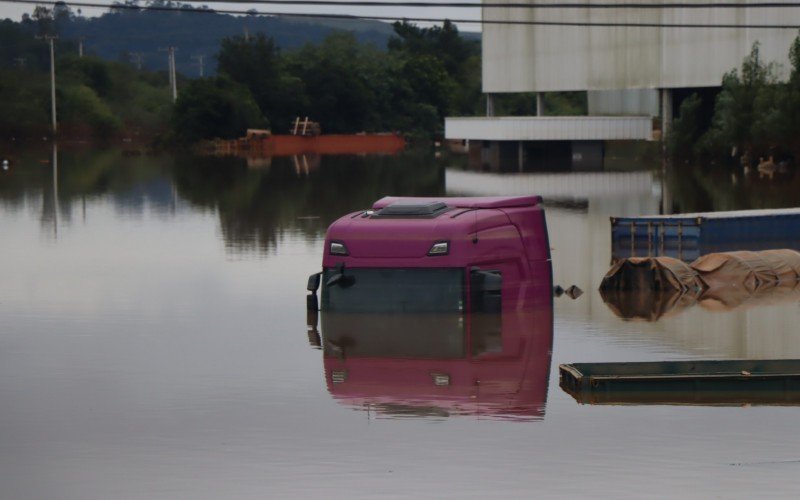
(635, 61)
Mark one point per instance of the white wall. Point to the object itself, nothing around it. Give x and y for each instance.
(641, 102)
(558, 58)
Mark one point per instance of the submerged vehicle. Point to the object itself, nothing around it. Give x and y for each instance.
(437, 307)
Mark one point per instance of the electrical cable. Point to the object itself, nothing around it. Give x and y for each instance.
(511, 5)
(582, 24)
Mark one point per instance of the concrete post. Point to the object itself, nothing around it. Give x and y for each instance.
(666, 112)
(53, 83)
(539, 104)
(489, 105)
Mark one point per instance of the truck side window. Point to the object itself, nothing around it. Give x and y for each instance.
(486, 291)
(486, 321)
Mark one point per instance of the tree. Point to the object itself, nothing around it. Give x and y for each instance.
(256, 63)
(740, 112)
(215, 107)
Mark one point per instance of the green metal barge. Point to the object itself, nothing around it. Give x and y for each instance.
(724, 383)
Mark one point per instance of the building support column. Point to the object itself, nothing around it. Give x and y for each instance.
(520, 156)
(666, 112)
(539, 104)
(489, 104)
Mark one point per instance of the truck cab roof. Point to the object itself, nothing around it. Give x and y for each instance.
(399, 231)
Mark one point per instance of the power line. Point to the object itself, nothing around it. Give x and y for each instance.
(582, 24)
(514, 5)
(504, 5)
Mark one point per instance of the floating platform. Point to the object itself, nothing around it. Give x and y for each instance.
(269, 145)
(714, 383)
(688, 236)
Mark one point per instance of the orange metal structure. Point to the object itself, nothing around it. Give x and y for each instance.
(291, 145)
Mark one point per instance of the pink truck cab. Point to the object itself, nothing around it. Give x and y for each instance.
(438, 303)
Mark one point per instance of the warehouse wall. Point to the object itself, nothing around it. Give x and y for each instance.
(560, 58)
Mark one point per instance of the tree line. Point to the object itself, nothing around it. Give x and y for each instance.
(423, 75)
(348, 85)
(754, 115)
(95, 98)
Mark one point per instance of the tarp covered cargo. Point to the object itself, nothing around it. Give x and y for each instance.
(747, 269)
(651, 273)
(647, 288)
(646, 305)
(720, 281)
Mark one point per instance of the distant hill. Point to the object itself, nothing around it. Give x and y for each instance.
(117, 35)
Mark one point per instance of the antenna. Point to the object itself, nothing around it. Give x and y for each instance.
(475, 238)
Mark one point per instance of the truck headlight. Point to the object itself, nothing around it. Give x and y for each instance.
(338, 248)
(440, 248)
(440, 379)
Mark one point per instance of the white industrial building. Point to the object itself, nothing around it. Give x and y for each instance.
(628, 71)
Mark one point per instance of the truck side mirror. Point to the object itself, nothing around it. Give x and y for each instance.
(313, 282)
(312, 303)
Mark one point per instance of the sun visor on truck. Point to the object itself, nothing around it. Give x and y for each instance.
(466, 202)
(412, 209)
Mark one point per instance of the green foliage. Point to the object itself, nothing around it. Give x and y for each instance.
(755, 114)
(94, 97)
(427, 74)
(685, 131)
(338, 83)
(256, 63)
(81, 104)
(215, 107)
(24, 109)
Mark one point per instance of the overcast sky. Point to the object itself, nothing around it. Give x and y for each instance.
(15, 11)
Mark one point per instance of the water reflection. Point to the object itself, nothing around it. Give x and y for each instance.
(257, 206)
(138, 357)
(257, 203)
(706, 383)
(443, 364)
(578, 207)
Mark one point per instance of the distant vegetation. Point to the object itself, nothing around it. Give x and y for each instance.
(95, 97)
(350, 76)
(755, 115)
(347, 86)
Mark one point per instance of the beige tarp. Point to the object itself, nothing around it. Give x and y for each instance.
(651, 273)
(720, 281)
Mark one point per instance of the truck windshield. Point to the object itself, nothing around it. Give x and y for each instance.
(370, 290)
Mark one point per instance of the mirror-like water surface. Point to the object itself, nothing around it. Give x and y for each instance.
(154, 343)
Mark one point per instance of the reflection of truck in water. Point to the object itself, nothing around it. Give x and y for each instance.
(438, 306)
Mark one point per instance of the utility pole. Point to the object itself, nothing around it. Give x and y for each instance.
(51, 38)
(137, 56)
(199, 59)
(173, 85)
(80, 46)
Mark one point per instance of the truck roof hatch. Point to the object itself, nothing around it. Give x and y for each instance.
(412, 209)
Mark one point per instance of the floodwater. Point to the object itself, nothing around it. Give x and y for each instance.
(154, 342)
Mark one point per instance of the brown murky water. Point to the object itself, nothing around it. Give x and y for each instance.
(153, 342)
